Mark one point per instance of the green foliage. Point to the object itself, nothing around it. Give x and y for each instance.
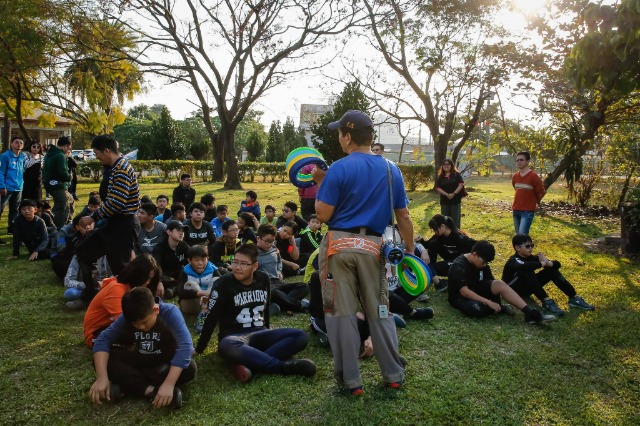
(164, 141)
(325, 140)
(255, 145)
(416, 175)
(195, 136)
(291, 136)
(276, 148)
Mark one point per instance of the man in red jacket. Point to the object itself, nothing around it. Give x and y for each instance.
(529, 192)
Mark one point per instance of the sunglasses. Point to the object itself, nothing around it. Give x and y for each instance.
(35, 146)
(529, 245)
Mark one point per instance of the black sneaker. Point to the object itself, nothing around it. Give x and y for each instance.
(422, 313)
(299, 367)
(274, 309)
(550, 306)
(176, 401)
(537, 317)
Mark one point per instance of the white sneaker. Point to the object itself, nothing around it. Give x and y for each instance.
(423, 297)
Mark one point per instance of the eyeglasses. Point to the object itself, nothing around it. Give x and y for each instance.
(482, 261)
(233, 230)
(267, 241)
(241, 265)
(529, 245)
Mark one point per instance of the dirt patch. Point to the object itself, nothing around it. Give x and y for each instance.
(587, 212)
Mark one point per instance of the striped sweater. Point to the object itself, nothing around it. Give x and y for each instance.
(122, 192)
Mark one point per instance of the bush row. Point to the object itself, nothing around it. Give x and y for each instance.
(414, 175)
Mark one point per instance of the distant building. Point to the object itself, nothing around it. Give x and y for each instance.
(44, 135)
(309, 115)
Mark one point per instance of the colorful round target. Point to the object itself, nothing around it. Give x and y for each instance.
(297, 160)
(414, 275)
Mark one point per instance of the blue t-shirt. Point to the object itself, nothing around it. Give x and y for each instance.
(358, 187)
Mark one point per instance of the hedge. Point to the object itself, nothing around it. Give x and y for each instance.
(414, 174)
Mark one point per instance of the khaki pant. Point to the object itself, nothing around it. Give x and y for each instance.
(351, 271)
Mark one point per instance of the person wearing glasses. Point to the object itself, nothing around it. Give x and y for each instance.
(520, 273)
(476, 293)
(289, 214)
(450, 185)
(32, 177)
(239, 306)
(529, 193)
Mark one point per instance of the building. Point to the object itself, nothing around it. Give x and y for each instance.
(45, 135)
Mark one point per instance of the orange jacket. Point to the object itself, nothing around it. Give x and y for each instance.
(104, 308)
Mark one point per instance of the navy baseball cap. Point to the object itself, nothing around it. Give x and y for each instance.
(176, 224)
(352, 119)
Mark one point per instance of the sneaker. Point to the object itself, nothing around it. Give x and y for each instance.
(442, 286)
(422, 313)
(241, 373)
(550, 306)
(299, 367)
(537, 317)
(507, 309)
(394, 385)
(579, 302)
(274, 309)
(301, 270)
(423, 297)
(76, 305)
(400, 322)
(305, 305)
(323, 339)
(199, 322)
(115, 393)
(357, 391)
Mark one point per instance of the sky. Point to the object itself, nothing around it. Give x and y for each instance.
(284, 101)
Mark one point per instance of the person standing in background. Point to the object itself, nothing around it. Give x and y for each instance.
(450, 185)
(529, 193)
(11, 179)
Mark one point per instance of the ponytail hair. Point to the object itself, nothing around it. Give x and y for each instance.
(438, 220)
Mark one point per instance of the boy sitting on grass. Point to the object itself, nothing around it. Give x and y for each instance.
(240, 307)
(269, 217)
(222, 215)
(520, 273)
(200, 232)
(171, 255)
(153, 356)
(31, 230)
(310, 237)
(222, 250)
(250, 205)
(474, 291)
(195, 283)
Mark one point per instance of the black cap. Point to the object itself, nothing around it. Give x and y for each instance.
(353, 119)
(176, 224)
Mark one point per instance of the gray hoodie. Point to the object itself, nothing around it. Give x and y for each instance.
(270, 262)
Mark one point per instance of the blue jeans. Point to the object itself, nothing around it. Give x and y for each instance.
(263, 351)
(522, 220)
(12, 198)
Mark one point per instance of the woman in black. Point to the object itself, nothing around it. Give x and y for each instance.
(32, 187)
(448, 243)
(449, 185)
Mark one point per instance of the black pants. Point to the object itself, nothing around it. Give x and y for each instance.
(473, 308)
(135, 372)
(288, 295)
(531, 282)
(399, 301)
(307, 207)
(115, 240)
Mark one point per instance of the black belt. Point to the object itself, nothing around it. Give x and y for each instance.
(363, 230)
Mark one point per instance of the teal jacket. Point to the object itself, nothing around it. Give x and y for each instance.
(55, 171)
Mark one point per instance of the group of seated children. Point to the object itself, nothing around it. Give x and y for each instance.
(472, 288)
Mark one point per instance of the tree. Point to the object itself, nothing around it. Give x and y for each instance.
(448, 58)
(164, 141)
(275, 143)
(256, 145)
(249, 125)
(233, 51)
(325, 140)
(292, 137)
(578, 100)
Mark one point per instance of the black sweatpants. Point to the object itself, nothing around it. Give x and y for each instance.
(531, 282)
(288, 295)
(135, 372)
(116, 240)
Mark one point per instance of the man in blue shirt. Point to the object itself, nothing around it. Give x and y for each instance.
(355, 201)
(11, 170)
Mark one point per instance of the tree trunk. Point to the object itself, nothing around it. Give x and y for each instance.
(6, 132)
(625, 186)
(218, 157)
(439, 152)
(227, 136)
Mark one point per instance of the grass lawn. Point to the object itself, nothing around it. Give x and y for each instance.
(581, 369)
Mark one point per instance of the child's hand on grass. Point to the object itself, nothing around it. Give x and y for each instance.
(99, 390)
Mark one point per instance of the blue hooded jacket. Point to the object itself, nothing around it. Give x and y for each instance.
(11, 170)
